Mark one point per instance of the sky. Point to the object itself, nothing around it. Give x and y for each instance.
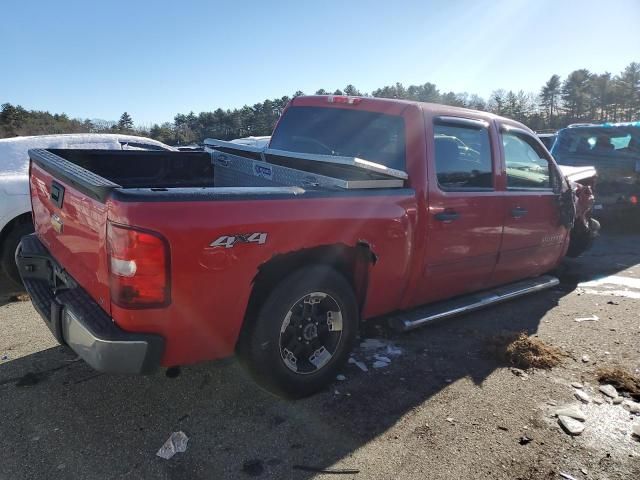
(157, 58)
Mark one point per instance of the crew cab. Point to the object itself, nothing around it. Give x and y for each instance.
(358, 208)
(15, 204)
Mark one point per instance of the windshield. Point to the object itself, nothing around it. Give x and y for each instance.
(371, 136)
(614, 142)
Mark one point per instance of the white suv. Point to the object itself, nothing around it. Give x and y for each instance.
(15, 204)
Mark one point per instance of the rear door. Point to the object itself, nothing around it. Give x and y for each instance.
(534, 237)
(464, 213)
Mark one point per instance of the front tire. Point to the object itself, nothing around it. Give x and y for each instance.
(303, 333)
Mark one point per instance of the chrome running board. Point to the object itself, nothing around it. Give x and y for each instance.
(468, 303)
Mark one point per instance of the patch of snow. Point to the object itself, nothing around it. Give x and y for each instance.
(14, 159)
(611, 286)
(582, 396)
(570, 425)
(609, 390)
(571, 411)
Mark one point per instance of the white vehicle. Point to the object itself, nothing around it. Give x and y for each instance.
(15, 205)
(253, 141)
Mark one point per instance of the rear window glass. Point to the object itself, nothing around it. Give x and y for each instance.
(371, 136)
(463, 157)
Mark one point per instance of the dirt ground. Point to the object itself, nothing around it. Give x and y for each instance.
(444, 407)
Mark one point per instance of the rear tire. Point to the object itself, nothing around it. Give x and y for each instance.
(9, 247)
(302, 334)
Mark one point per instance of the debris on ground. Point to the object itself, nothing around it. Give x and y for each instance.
(609, 390)
(450, 419)
(622, 380)
(253, 468)
(341, 378)
(376, 351)
(585, 359)
(582, 396)
(571, 425)
(571, 411)
(372, 344)
(592, 318)
(4, 357)
(577, 385)
(341, 471)
(518, 372)
(358, 364)
(567, 476)
(524, 440)
(521, 351)
(635, 430)
(177, 442)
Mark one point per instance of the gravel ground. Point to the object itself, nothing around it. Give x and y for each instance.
(443, 408)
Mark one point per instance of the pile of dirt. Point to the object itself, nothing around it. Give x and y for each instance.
(621, 379)
(521, 351)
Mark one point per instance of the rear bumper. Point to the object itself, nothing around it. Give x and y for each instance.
(76, 320)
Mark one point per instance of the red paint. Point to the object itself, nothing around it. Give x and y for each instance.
(419, 259)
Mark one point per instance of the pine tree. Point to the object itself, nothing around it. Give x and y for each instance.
(549, 97)
(575, 94)
(125, 123)
(351, 91)
(629, 85)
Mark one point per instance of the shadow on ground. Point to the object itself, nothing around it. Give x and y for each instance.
(60, 418)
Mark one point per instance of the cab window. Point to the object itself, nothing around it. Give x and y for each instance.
(527, 166)
(462, 157)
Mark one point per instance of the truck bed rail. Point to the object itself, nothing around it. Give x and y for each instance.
(80, 178)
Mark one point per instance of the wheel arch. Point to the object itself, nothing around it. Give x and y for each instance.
(353, 262)
(10, 225)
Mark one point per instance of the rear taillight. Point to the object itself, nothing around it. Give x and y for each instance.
(138, 267)
(633, 199)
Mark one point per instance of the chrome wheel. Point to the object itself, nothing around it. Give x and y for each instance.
(310, 333)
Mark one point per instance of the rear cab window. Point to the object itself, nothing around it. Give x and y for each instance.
(463, 158)
(372, 136)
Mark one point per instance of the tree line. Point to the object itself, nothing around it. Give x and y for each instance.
(583, 96)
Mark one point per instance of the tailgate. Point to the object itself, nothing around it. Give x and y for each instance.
(71, 222)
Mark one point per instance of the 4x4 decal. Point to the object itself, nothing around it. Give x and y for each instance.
(228, 241)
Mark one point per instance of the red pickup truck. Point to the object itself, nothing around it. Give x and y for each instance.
(358, 208)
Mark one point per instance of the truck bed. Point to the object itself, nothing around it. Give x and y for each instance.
(224, 171)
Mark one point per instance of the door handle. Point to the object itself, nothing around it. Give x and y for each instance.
(519, 212)
(447, 217)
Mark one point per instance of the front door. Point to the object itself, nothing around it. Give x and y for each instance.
(533, 237)
(465, 215)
